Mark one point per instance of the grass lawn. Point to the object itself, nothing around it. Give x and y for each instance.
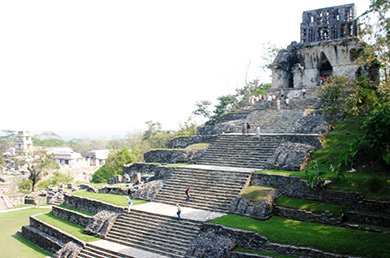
(313, 206)
(66, 226)
(13, 245)
(327, 238)
(115, 199)
(243, 250)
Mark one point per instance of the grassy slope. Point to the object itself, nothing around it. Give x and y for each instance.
(13, 245)
(328, 238)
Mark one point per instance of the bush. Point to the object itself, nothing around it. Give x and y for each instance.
(376, 184)
(25, 185)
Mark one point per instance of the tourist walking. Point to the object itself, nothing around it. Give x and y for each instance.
(269, 101)
(188, 194)
(248, 127)
(130, 202)
(258, 132)
(278, 104)
(178, 212)
(303, 92)
(287, 102)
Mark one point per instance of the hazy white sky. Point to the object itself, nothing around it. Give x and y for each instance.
(113, 65)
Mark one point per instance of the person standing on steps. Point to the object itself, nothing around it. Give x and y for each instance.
(178, 212)
(130, 203)
(248, 127)
(287, 102)
(188, 194)
(258, 132)
(278, 104)
(303, 93)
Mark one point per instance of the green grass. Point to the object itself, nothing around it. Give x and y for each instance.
(115, 199)
(327, 238)
(13, 245)
(244, 250)
(313, 206)
(198, 146)
(66, 226)
(257, 193)
(79, 211)
(282, 173)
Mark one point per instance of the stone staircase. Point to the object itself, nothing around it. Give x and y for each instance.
(154, 233)
(92, 251)
(232, 150)
(275, 121)
(211, 189)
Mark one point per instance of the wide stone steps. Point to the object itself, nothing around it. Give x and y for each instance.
(155, 233)
(240, 151)
(90, 251)
(211, 189)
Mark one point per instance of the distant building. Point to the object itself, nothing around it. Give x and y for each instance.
(97, 157)
(65, 156)
(23, 142)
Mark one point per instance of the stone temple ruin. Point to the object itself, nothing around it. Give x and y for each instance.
(228, 165)
(329, 46)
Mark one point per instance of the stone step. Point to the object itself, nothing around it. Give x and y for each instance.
(95, 252)
(141, 245)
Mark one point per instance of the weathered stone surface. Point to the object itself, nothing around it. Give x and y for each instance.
(233, 126)
(41, 239)
(147, 172)
(302, 215)
(312, 123)
(90, 205)
(89, 188)
(209, 244)
(71, 216)
(70, 250)
(218, 241)
(114, 190)
(258, 209)
(183, 142)
(290, 156)
(115, 180)
(101, 223)
(147, 191)
(370, 219)
(126, 178)
(173, 156)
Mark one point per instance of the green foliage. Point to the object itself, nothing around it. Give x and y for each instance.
(377, 133)
(48, 139)
(376, 184)
(59, 178)
(315, 176)
(257, 193)
(113, 166)
(25, 185)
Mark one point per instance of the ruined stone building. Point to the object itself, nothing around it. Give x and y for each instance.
(23, 142)
(329, 46)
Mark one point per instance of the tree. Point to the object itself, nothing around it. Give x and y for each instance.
(48, 139)
(39, 165)
(114, 165)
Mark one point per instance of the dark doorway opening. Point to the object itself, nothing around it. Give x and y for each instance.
(325, 67)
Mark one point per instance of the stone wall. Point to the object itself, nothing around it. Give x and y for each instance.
(302, 215)
(71, 216)
(41, 239)
(183, 142)
(90, 205)
(62, 236)
(218, 241)
(173, 156)
(299, 188)
(153, 172)
(290, 156)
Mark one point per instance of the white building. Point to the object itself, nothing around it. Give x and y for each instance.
(65, 156)
(97, 157)
(23, 142)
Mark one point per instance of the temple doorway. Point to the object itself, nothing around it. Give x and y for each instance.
(325, 67)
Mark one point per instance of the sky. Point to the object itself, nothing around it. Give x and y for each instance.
(110, 66)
